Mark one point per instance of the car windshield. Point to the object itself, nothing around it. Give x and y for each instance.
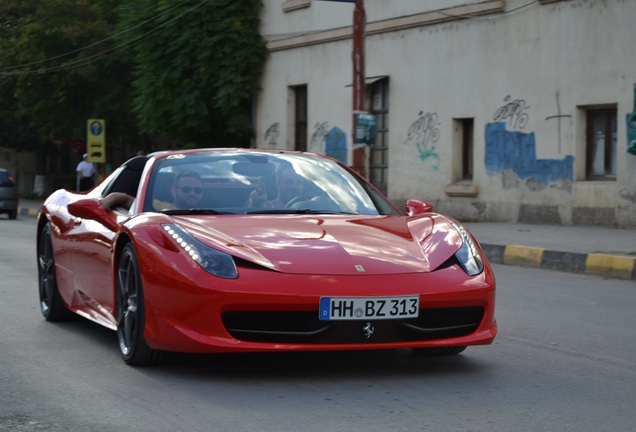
(254, 182)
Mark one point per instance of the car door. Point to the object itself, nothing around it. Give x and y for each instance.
(94, 270)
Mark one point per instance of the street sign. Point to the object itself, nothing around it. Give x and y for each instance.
(96, 140)
(366, 128)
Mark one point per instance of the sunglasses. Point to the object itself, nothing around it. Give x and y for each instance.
(188, 189)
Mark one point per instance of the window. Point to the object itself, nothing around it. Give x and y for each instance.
(292, 5)
(379, 159)
(300, 118)
(467, 149)
(601, 144)
(462, 159)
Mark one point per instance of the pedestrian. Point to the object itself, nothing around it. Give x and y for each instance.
(85, 174)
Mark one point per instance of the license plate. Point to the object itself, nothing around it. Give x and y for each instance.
(364, 308)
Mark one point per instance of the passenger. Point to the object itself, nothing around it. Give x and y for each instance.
(289, 185)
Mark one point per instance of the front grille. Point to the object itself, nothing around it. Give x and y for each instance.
(306, 328)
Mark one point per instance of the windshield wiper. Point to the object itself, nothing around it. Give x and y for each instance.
(194, 211)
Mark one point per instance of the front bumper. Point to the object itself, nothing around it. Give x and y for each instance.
(264, 310)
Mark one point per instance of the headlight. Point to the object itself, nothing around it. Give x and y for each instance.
(211, 260)
(468, 255)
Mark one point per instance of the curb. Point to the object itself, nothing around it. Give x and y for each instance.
(611, 266)
(27, 212)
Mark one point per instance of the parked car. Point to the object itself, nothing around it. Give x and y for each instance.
(248, 250)
(8, 194)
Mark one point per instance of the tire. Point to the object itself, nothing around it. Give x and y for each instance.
(440, 351)
(51, 303)
(131, 312)
(13, 214)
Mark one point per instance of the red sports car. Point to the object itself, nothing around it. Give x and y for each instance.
(248, 250)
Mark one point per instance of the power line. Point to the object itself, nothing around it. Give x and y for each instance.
(74, 64)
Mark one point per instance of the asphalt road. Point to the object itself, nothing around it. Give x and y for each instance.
(564, 360)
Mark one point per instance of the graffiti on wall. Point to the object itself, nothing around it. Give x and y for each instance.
(512, 154)
(272, 134)
(558, 116)
(513, 112)
(334, 140)
(336, 144)
(423, 133)
(318, 137)
(6, 156)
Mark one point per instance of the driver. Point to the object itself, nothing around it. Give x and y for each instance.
(186, 191)
(289, 185)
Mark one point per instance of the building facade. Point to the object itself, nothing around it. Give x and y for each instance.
(492, 110)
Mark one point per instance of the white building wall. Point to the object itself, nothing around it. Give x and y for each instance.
(325, 72)
(547, 59)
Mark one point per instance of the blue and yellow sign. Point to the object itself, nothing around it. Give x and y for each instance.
(96, 140)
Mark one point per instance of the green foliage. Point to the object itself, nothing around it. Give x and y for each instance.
(54, 73)
(177, 71)
(197, 69)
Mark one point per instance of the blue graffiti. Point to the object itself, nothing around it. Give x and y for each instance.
(336, 144)
(516, 151)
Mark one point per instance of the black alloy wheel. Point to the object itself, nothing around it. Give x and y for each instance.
(131, 313)
(51, 303)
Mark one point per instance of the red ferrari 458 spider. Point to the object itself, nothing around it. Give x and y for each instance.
(248, 250)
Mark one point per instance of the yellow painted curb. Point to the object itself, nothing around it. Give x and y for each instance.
(610, 265)
(523, 255)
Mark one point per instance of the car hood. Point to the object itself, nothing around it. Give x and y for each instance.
(334, 245)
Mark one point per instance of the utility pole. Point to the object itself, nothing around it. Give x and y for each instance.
(357, 57)
(359, 23)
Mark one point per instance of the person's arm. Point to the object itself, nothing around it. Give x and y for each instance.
(117, 199)
(258, 197)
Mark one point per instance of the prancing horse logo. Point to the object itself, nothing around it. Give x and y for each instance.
(368, 330)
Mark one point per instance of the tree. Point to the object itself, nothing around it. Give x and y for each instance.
(59, 68)
(198, 66)
(183, 71)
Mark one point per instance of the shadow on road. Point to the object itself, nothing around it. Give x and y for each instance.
(290, 365)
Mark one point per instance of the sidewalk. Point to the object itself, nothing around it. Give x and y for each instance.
(608, 252)
(28, 208)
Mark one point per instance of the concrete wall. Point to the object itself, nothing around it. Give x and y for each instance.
(524, 71)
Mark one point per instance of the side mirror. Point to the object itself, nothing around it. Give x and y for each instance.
(91, 209)
(416, 207)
